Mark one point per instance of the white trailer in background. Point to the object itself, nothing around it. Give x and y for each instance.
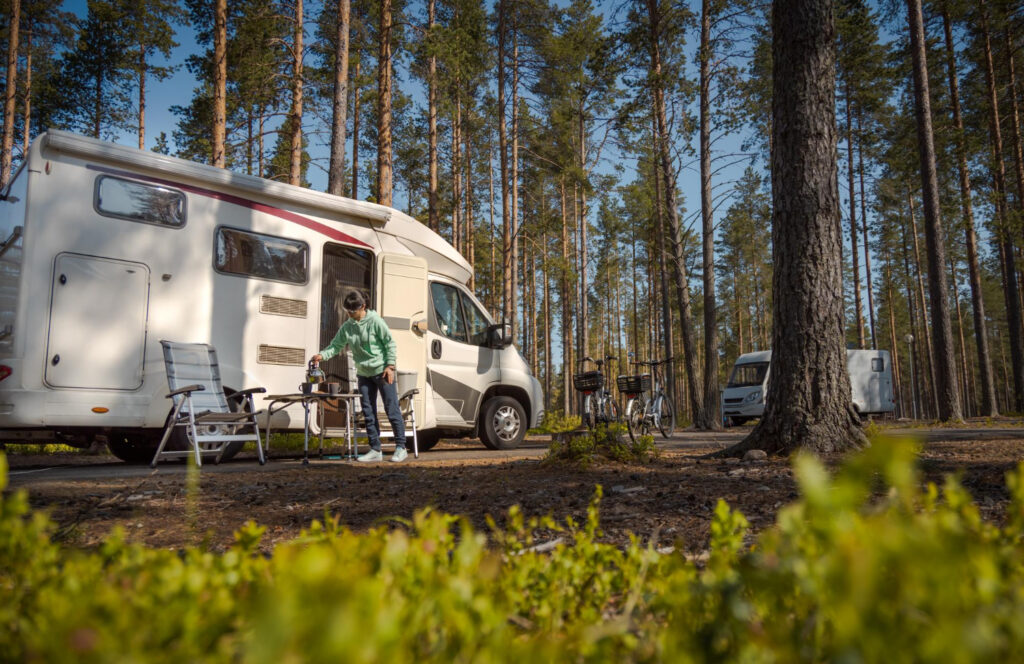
(105, 250)
(870, 381)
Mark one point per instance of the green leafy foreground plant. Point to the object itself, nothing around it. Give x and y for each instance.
(867, 565)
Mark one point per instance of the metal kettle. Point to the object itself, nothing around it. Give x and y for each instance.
(314, 374)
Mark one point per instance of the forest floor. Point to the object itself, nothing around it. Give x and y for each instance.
(669, 501)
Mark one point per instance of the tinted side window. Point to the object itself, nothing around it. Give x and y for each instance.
(139, 201)
(448, 311)
(476, 322)
(261, 256)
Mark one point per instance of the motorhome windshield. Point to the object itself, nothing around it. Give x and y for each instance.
(748, 375)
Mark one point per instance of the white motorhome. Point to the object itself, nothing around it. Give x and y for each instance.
(105, 250)
(870, 379)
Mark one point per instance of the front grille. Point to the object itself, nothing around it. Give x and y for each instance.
(734, 400)
(295, 357)
(282, 306)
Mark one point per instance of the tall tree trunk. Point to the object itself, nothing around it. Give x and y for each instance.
(566, 309)
(1003, 231)
(492, 300)
(220, 81)
(384, 176)
(682, 286)
(507, 299)
(710, 416)
(548, 363)
(808, 404)
(989, 408)
(890, 302)
(26, 122)
(339, 107)
(666, 305)
(854, 253)
(433, 213)
(355, 131)
(581, 215)
(928, 359)
(514, 173)
(295, 119)
(10, 93)
(965, 382)
(456, 169)
(945, 387)
(864, 226)
(142, 98)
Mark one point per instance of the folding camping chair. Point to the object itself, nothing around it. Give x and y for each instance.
(202, 408)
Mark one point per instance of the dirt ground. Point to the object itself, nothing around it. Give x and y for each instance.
(670, 500)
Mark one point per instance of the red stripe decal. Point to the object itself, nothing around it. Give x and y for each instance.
(305, 222)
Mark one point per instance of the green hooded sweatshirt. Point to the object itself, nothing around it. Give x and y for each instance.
(373, 347)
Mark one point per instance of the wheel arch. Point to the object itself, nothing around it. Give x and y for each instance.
(517, 393)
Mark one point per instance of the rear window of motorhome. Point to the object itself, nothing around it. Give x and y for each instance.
(261, 256)
(877, 364)
(138, 201)
(748, 375)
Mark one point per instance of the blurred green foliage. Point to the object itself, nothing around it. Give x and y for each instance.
(868, 565)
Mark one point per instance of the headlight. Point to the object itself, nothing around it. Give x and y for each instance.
(753, 397)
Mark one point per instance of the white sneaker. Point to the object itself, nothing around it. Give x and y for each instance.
(372, 455)
(399, 455)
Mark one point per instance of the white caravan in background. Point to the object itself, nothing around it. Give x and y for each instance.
(870, 380)
(105, 250)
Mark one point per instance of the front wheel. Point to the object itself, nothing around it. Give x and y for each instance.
(635, 418)
(611, 411)
(504, 424)
(666, 417)
(588, 415)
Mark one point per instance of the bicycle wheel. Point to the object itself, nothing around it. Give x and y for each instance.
(666, 415)
(588, 415)
(635, 418)
(612, 411)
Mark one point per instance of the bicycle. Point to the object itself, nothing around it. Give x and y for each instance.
(598, 404)
(648, 406)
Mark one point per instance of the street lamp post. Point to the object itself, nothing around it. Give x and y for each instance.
(913, 383)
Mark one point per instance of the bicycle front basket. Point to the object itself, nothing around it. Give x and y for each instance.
(634, 384)
(590, 381)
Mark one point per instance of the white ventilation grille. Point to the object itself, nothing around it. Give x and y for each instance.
(282, 306)
(282, 355)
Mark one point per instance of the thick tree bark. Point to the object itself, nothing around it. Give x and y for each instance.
(989, 408)
(339, 108)
(711, 418)
(808, 404)
(433, 213)
(220, 81)
(678, 260)
(10, 93)
(945, 362)
(355, 130)
(295, 119)
(1003, 231)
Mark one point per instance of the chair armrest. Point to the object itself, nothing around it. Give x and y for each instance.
(244, 393)
(186, 389)
(409, 394)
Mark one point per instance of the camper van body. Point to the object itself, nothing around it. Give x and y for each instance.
(106, 250)
(870, 380)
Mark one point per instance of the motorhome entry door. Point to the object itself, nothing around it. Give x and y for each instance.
(97, 334)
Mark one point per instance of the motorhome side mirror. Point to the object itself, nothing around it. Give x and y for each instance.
(499, 335)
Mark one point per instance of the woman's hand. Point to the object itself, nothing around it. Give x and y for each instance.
(389, 375)
(316, 358)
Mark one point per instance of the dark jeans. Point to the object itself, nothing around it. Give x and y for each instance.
(369, 386)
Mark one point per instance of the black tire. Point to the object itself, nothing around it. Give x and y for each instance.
(739, 421)
(635, 419)
(612, 411)
(666, 417)
(503, 425)
(588, 416)
(134, 447)
(426, 439)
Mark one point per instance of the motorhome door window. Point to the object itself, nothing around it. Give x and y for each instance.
(877, 364)
(138, 201)
(448, 311)
(261, 256)
(748, 375)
